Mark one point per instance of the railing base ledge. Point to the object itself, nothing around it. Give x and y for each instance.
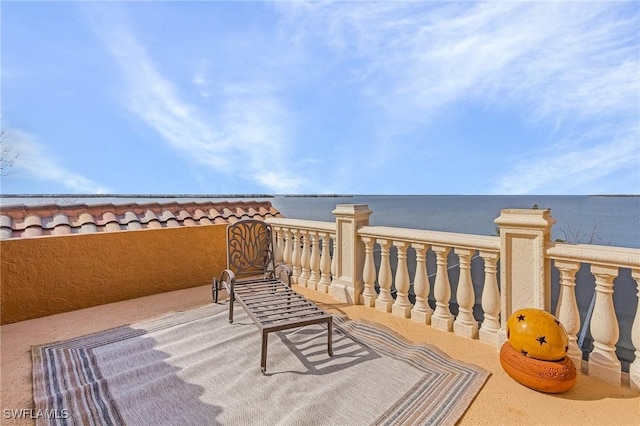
(369, 301)
(634, 375)
(442, 323)
(343, 293)
(421, 317)
(608, 373)
(466, 330)
(323, 288)
(384, 306)
(490, 337)
(401, 311)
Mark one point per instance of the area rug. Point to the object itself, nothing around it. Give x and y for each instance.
(193, 367)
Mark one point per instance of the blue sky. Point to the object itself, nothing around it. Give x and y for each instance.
(313, 97)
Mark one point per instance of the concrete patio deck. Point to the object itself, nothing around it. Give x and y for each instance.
(502, 401)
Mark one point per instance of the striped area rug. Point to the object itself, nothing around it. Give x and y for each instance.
(193, 367)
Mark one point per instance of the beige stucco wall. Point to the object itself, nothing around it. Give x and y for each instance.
(49, 275)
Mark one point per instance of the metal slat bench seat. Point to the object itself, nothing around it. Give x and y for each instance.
(270, 303)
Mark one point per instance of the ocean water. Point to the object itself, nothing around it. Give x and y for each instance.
(614, 220)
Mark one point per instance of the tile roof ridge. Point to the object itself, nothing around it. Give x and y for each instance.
(52, 209)
(80, 218)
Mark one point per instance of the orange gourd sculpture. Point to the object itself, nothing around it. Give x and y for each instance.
(535, 354)
(537, 334)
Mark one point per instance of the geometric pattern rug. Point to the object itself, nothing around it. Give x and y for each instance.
(194, 368)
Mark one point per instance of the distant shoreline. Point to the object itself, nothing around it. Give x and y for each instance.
(615, 195)
(317, 196)
(266, 195)
(175, 195)
(137, 196)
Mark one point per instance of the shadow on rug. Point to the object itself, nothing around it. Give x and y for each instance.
(193, 367)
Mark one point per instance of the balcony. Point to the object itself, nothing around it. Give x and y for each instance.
(453, 291)
(501, 400)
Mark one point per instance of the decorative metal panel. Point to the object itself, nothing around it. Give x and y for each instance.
(250, 248)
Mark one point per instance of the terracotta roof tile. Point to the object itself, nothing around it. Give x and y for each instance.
(60, 224)
(130, 216)
(88, 228)
(205, 221)
(220, 219)
(6, 222)
(183, 214)
(58, 220)
(85, 218)
(149, 216)
(5, 233)
(32, 220)
(108, 217)
(167, 215)
(33, 231)
(199, 214)
(155, 224)
(35, 221)
(61, 230)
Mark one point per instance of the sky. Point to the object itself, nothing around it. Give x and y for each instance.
(345, 97)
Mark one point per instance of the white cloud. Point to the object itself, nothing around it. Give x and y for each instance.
(36, 160)
(554, 56)
(570, 68)
(244, 138)
(558, 172)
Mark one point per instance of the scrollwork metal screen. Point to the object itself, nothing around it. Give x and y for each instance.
(250, 248)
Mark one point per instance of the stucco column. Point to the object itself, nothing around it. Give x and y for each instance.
(525, 274)
(347, 282)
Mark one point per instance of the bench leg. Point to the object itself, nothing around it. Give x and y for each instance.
(231, 299)
(216, 289)
(330, 337)
(263, 354)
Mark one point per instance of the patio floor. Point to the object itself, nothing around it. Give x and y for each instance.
(502, 401)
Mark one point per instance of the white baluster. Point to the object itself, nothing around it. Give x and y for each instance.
(325, 265)
(304, 260)
(369, 294)
(465, 324)
(490, 299)
(286, 255)
(634, 370)
(384, 300)
(442, 317)
(421, 311)
(277, 245)
(603, 362)
(567, 310)
(295, 255)
(314, 261)
(402, 306)
(334, 258)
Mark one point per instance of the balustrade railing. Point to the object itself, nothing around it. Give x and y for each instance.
(605, 264)
(464, 247)
(305, 246)
(406, 272)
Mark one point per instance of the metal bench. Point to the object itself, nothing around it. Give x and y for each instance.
(253, 280)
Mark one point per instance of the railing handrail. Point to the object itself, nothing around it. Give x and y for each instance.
(621, 257)
(452, 239)
(307, 225)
